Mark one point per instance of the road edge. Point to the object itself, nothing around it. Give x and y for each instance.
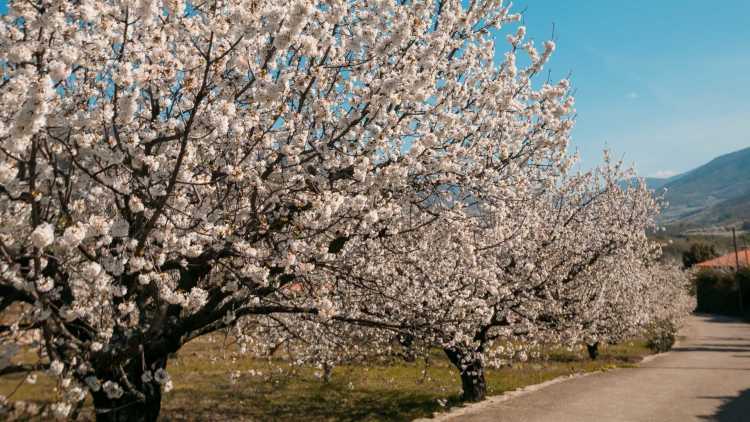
(508, 395)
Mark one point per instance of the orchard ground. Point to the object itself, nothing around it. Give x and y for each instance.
(390, 389)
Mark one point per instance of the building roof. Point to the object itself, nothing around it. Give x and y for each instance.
(728, 261)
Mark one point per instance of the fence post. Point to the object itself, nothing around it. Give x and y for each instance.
(737, 270)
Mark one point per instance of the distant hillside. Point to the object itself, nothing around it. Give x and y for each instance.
(717, 193)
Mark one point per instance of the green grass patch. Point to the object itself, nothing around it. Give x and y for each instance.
(266, 390)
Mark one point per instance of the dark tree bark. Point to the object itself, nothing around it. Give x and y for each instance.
(327, 372)
(128, 408)
(407, 344)
(471, 369)
(142, 405)
(593, 350)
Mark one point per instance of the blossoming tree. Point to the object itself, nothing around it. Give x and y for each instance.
(507, 274)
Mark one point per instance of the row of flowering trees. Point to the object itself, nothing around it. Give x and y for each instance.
(567, 266)
(341, 171)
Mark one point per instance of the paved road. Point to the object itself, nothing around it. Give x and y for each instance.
(705, 378)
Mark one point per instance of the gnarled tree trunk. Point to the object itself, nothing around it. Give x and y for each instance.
(128, 408)
(472, 374)
(141, 406)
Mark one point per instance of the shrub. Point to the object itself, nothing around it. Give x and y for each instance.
(717, 292)
(661, 336)
(698, 252)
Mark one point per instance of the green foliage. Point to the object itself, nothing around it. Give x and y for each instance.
(675, 244)
(698, 252)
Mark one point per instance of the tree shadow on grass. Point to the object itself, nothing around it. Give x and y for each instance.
(608, 354)
(299, 400)
(733, 409)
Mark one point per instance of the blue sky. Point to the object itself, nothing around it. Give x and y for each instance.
(664, 84)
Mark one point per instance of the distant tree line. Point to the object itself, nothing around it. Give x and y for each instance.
(698, 252)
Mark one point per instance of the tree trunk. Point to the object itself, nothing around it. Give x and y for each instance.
(472, 374)
(407, 344)
(593, 350)
(129, 407)
(142, 405)
(327, 372)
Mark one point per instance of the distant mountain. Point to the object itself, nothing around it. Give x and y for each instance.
(657, 182)
(717, 193)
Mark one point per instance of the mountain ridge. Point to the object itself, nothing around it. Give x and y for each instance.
(716, 193)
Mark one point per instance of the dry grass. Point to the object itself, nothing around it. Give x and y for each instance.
(272, 390)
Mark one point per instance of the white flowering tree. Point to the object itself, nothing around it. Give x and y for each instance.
(656, 297)
(498, 276)
(670, 302)
(606, 298)
(621, 309)
(167, 166)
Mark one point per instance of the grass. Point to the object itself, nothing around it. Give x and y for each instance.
(273, 390)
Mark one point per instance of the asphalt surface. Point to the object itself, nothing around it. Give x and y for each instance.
(705, 378)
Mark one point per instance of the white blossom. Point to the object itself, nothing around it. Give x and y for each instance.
(7, 172)
(43, 235)
(91, 270)
(135, 204)
(61, 409)
(197, 298)
(45, 284)
(73, 236)
(56, 367)
(112, 389)
(58, 71)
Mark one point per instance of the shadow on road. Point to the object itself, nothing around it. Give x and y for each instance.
(718, 318)
(714, 338)
(724, 345)
(733, 409)
(701, 348)
(695, 368)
